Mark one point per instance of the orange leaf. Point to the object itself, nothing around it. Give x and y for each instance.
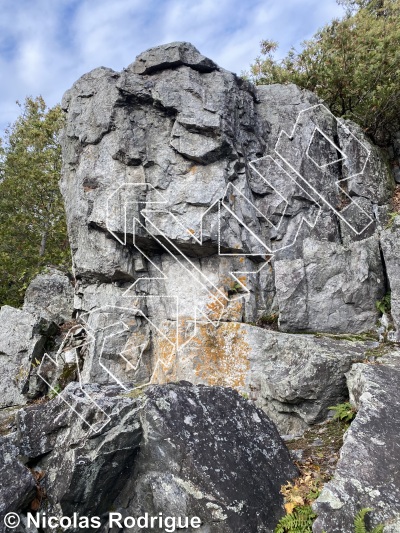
(35, 504)
(289, 507)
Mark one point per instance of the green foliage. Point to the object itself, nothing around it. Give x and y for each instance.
(54, 391)
(384, 306)
(353, 63)
(32, 219)
(391, 218)
(235, 288)
(344, 412)
(269, 319)
(299, 521)
(359, 523)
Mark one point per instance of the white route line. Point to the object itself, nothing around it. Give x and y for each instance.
(219, 297)
(93, 428)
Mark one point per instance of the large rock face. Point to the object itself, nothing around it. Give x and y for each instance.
(181, 450)
(221, 234)
(178, 165)
(196, 203)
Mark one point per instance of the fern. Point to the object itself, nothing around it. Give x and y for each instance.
(344, 412)
(378, 529)
(359, 523)
(384, 306)
(299, 521)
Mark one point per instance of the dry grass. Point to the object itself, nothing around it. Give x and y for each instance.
(396, 200)
(319, 448)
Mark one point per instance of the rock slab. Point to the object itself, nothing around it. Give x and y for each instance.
(368, 472)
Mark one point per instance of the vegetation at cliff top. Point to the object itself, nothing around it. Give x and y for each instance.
(32, 219)
(353, 63)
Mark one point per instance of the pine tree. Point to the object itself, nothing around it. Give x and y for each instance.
(353, 63)
(32, 219)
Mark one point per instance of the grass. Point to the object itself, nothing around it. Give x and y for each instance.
(352, 337)
(268, 321)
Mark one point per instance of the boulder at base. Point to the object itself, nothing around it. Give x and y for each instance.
(368, 472)
(179, 449)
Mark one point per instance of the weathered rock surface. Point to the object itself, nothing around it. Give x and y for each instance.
(209, 453)
(170, 56)
(22, 340)
(27, 333)
(338, 280)
(177, 449)
(368, 473)
(82, 474)
(50, 295)
(294, 378)
(200, 160)
(18, 485)
(391, 254)
(181, 182)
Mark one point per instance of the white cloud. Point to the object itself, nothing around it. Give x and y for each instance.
(45, 45)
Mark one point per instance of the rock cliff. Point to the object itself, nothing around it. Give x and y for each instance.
(224, 235)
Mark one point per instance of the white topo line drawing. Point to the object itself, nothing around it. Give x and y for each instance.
(129, 209)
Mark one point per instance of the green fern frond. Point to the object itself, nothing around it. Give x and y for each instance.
(359, 522)
(300, 521)
(344, 412)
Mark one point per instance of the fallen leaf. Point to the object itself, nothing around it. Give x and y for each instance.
(289, 507)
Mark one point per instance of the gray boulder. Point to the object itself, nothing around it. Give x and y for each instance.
(206, 452)
(177, 449)
(193, 197)
(390, 240)
(86, 444)
(18, 486)
(22, 341)
(50, 295)
(218, 176)
(367, 474)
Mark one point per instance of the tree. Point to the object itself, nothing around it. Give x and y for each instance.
(32, 219)
(353, 63)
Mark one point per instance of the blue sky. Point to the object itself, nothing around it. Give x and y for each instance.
(45, 45)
